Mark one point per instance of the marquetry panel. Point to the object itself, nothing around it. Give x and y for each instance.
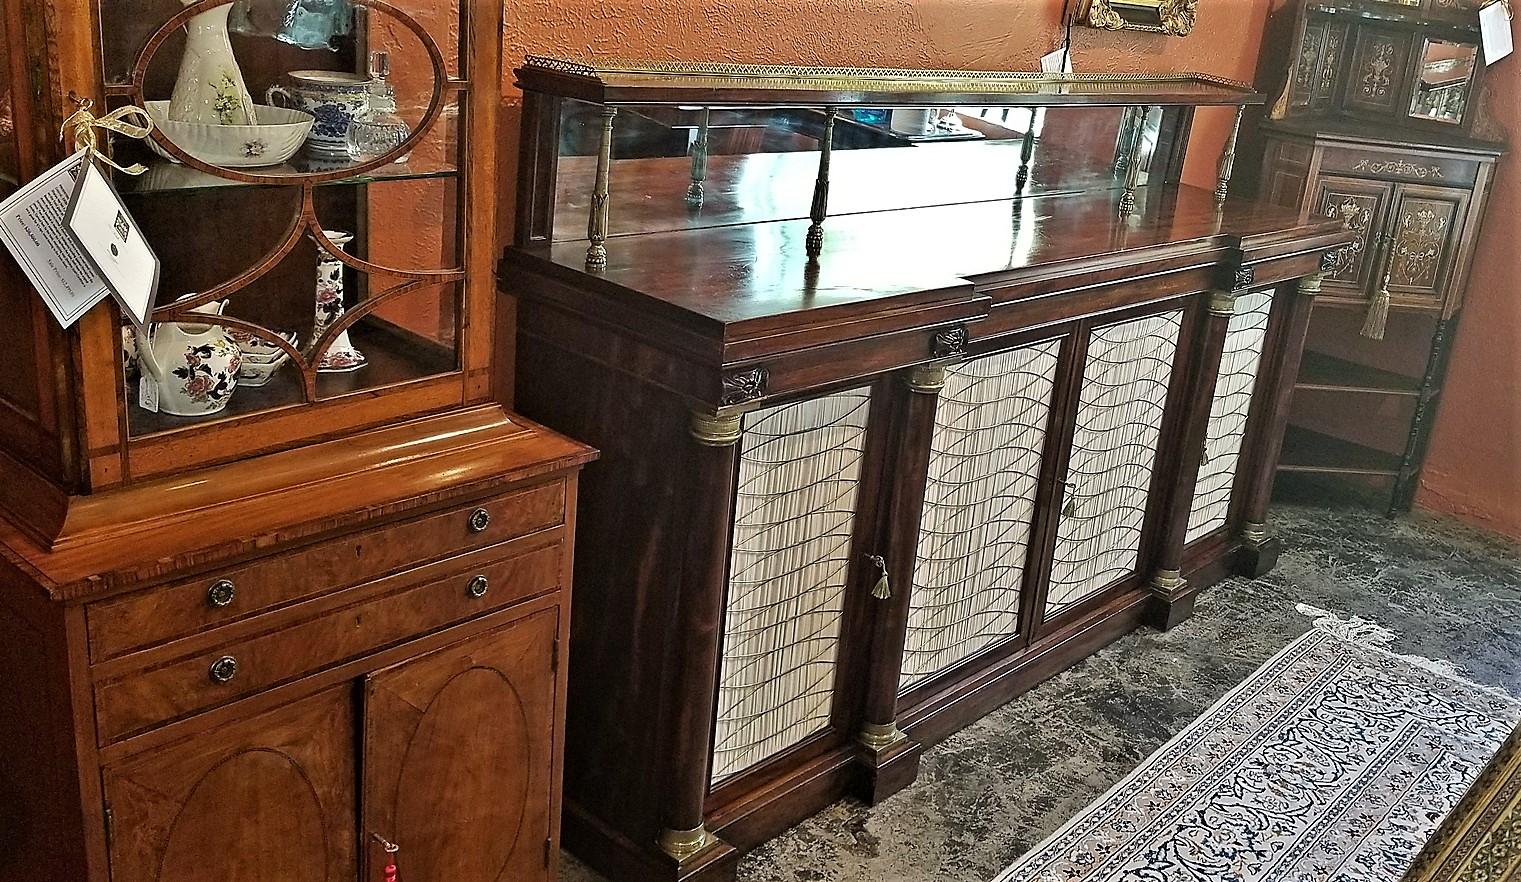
(1228, 412)
(1426, 229)
(1319, 63)
(800, 467)
(974, 535)
(1114, 447)
(1367, 203)
(1378, 69)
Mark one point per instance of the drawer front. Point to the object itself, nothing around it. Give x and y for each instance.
(176, 610)
(138, 700)
(1390, 166)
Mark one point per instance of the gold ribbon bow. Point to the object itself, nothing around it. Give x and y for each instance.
(131, 121)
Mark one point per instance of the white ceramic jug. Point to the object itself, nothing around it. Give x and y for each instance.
(210, 87)
(195, 366)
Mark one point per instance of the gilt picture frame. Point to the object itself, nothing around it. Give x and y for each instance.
(1175, 18)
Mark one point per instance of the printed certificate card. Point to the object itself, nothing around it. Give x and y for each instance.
(32, 226)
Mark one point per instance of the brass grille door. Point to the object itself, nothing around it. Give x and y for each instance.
(1228, 413)
(974, 536)
(799, 471)
(1114, 448)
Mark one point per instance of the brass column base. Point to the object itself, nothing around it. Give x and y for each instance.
(880, 736)
(683, 844)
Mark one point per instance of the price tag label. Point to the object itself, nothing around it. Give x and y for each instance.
(1494, 27)
(113, 243)
(33, 227)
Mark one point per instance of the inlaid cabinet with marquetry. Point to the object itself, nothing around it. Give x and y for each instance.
(283, 584)
(899, 414)
(1375, 125)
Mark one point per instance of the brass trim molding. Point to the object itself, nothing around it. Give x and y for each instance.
(682, 844)
(715, 430)
(1168, 582)
(1254, 533)
(1311, 284)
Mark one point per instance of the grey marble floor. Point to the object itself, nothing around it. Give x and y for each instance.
(992, 791)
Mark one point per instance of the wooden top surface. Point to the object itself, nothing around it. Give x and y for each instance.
(733, 282)
(737, 85)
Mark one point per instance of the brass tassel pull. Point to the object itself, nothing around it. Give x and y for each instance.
(883, 589)
(1378, 311)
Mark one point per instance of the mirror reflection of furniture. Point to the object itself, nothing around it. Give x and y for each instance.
(1373, 121)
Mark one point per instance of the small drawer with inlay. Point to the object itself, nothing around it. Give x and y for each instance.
(139, 691)
(171, 611)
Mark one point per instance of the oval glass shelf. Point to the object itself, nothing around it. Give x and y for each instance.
(164, 176)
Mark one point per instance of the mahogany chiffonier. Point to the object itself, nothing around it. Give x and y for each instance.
(302, 617)
(1376, 123)
(891, 432)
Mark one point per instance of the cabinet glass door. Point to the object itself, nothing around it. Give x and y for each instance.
(1114, 446)
(794, 523)
(1229, 410)
(979, 504)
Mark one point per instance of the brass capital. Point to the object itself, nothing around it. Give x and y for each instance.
(880, 736)
(927, 378)
(682, 844)
(714, 430)
(1310, 285)
(1254, 533)
(1223, 303)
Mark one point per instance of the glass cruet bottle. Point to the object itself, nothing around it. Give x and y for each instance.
(380, 130)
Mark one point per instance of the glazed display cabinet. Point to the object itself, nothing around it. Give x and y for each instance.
(1374, 125)
(901, 411)
(283, 586)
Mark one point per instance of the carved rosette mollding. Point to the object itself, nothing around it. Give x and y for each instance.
(1179, 16)
(1418, 249)
(948, 343)
(1245, 277)
(743, 386)
(1330, 260)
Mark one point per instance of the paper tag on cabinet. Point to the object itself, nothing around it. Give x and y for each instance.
(1057, 61)
(114, 243)
(32, 226)
(1494, 25)
(147, 392)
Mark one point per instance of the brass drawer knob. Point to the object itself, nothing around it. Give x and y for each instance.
(480, 519)
(478, 587)
(221, 594)
(224, 669)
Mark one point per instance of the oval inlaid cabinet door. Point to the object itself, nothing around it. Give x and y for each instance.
(458, 757)
(268, 797)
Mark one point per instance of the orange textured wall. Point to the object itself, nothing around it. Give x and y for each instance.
(1474, 467)
(963, 34)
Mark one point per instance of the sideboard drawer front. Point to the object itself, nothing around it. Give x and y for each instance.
(1114, 448)
(979, 505)
(1235, 387)
(141, 699)
(168, 612)
(799, 471)
(1392, 166)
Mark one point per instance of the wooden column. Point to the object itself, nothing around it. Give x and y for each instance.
(714, 459)
(1173, 597)
(1408, 480)
(820, 211)
(1228, 159)
(890, 758)
(1260, 547)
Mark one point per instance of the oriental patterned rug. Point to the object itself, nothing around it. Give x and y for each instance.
(1336, 760)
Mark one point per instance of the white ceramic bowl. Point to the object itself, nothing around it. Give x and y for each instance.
(279, 134)
(255, 372)
(259, 348)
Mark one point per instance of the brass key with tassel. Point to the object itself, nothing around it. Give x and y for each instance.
(883, 589)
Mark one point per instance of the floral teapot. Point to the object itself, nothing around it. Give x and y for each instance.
(194, 366)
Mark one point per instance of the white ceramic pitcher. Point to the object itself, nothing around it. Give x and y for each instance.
(210, 87)
(195, 366)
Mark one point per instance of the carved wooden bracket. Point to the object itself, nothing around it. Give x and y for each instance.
(948, 343)
(743, 386)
